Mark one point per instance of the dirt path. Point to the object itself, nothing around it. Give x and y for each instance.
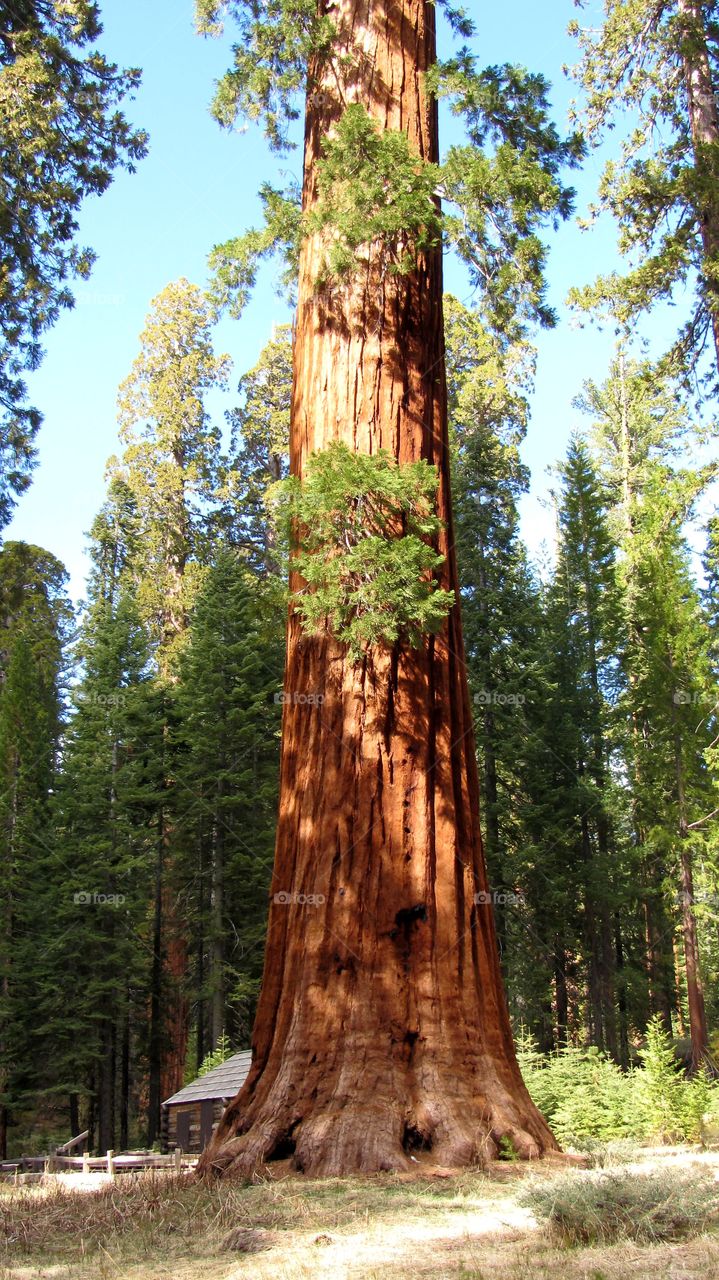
(464, 1227)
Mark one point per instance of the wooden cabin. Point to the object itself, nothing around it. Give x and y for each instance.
(190, 1117)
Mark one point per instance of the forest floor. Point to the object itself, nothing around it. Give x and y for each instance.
(438, 1224)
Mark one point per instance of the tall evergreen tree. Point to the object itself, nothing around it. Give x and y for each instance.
(171, 455)
(170, 470)
(61, 138)
(487, 420)
(642, 431)
(259, 453)
(226, 785)
(585, 590)
(35, 622)
(655, 64)
(105, 839)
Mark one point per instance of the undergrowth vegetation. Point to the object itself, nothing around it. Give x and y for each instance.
(601, 1207)
(586, 1098)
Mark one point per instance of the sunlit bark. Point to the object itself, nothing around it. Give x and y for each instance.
(382, 1027)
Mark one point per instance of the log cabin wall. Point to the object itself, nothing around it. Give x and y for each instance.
(190, 1125)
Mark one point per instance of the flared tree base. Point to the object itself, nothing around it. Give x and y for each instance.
(327, 1135)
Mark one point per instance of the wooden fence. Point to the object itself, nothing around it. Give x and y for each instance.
(130, 1162)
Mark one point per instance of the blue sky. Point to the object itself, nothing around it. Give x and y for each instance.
(198, 187)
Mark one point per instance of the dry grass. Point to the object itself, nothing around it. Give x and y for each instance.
(469, 1226)
(614, 1204)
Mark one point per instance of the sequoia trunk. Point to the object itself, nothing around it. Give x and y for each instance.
(382, 1027)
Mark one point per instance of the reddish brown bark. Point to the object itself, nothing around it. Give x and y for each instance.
(704, 126)
(698, 1029)
(382, 1025)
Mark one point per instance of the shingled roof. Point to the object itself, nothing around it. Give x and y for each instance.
(222, 1082)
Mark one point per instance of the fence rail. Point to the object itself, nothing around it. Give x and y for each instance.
(129, 1162)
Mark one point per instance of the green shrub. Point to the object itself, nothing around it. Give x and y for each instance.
(600, 1207)
(659, 1093)
(701, 1105)
(222, 1051)
(589, 1102)
(582, 1094)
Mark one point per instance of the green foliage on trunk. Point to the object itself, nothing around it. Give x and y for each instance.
(501, 189)
(373, 188)
(361, 530)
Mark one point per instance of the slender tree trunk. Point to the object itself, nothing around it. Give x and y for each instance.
(125, 1077)
(217, 923)
(201, 944)
(695, 994)
(169, 1008)
(92, 1111)
(607, 977)
(698, 1029)
(382, 1025)
(678, 989)
(106, 1098)
(592, 940)
(175, 1006)
(657, 933)
(155, 1046)
(621, 995)
(561, 996)
(704, 123)
(74, 1114)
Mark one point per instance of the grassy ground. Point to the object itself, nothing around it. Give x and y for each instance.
(467, 1226)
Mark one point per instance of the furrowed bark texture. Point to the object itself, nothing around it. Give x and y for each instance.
(382, 1026)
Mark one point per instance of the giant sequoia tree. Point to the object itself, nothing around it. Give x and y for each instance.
(382, 1026)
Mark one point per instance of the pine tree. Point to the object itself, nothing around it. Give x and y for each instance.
(641, 433)
(673, 700)
(105, 839)
(35, 621)
(61, 137)
(551, 805)
(171, 454)
(657, 64)
(226, 785)
(259, 454)
(585, 590)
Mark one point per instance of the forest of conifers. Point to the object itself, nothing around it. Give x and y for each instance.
(140, 731)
